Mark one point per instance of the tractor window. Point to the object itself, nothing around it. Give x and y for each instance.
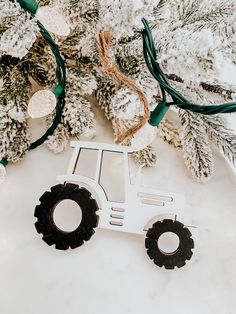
(86, 163)
(112, 176)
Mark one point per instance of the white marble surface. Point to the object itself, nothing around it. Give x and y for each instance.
(112, 273)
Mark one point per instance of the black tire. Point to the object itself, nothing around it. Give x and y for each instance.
(180, 255)
(45, 223)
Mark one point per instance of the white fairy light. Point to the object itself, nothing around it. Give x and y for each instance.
(88, 134)
(52, 20)
(143, 137)
(41, 104)
(3, 173)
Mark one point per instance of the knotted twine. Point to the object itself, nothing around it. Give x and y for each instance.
(110, 68)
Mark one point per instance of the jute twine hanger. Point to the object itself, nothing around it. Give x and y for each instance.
(111, 69)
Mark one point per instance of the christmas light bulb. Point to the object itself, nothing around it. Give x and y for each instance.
(52, 20)
(88, 134)
(143, 137)
(3, 173)
(41, 104)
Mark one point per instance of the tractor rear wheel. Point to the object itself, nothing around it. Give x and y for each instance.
(46, 225)
(176, 258)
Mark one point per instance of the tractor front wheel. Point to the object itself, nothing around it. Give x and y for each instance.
(46, 225)
(176, 258)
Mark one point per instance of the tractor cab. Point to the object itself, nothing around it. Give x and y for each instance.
(106, 165)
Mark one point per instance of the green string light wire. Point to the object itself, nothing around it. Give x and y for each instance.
(179, 100)
(4, 162)
(29, 5)
(59, 90)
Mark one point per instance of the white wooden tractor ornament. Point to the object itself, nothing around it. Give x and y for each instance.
(139, 210)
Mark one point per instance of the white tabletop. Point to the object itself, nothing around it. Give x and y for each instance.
(112, 272)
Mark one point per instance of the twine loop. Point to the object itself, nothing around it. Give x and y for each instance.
(111, 69)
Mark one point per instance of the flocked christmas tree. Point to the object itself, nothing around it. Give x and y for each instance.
(195, 41)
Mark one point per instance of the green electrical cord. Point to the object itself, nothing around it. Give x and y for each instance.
(4, 162)
(29, 5)
(59, 90)
(179, 100)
